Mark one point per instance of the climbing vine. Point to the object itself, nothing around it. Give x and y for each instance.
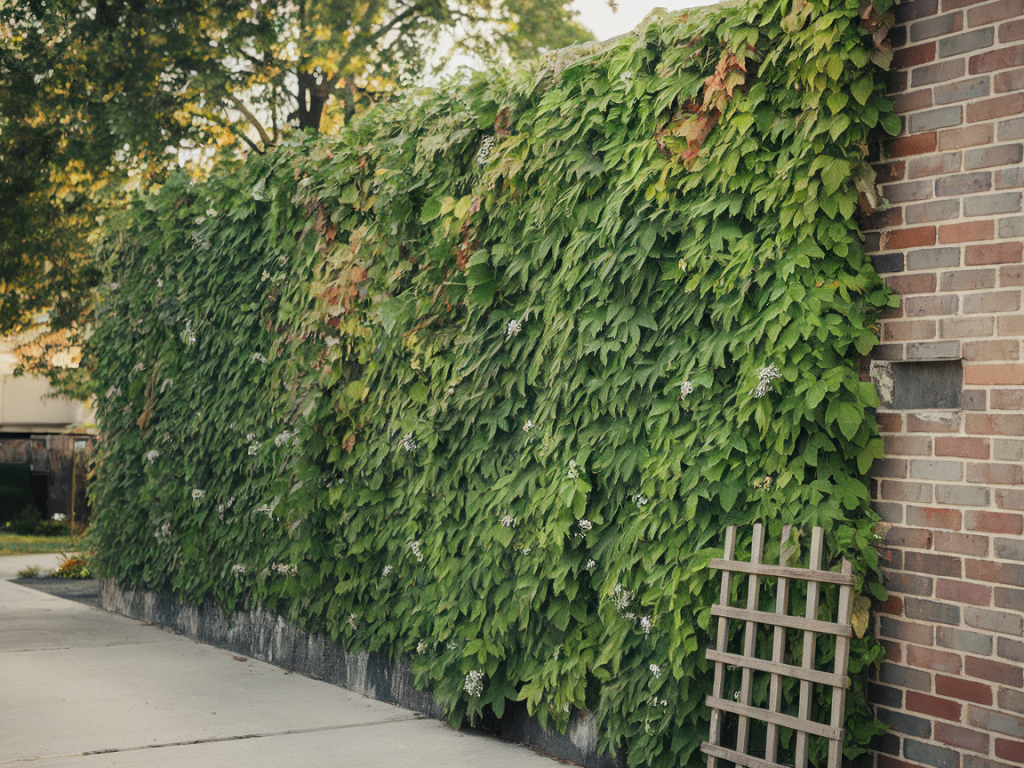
(481, 380)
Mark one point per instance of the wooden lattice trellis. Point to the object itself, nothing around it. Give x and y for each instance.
(773, 717)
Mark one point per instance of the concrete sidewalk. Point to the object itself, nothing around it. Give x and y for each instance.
(83, 688)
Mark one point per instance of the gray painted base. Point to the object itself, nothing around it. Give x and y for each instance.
(270, 638)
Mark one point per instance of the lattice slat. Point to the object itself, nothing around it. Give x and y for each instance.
(806, 674)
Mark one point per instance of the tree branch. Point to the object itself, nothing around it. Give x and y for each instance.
(264, 136)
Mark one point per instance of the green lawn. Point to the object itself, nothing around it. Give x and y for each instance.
(14, 544)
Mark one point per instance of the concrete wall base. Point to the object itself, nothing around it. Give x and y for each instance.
(262, 635)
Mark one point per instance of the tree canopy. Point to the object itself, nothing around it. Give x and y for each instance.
(101, 96)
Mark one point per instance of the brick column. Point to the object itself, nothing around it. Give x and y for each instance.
(952, 482)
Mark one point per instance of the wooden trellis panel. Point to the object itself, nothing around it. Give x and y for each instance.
(773, 717)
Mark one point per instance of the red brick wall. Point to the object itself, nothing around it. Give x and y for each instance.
(952, 482)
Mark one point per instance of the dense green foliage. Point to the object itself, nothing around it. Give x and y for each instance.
(482, 379)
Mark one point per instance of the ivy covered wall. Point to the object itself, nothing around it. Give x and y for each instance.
(481, 380)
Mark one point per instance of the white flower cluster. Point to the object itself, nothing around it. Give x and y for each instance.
(258, 358)
(387, 570)
(285, 570)
(283, 438)
(591, 565)
(140, 367)
(529, 425)
(353, 621)
(163, 533)
(417, 552)
(659, 702)
(585, 528)
(486, 147)
(513, 328)
(253, 449)
(474, 684)
(60, 517)
(639, 499)
(239, 569)
(197, 495)
(508, 521)
(685, 390)
(409, 442)
(525, 551)
(115, 286)
(188, 335)
(574, 471)
(159, 283)
(113, 392)
(765, 377)
(152, 456)
(621, 597)
(645, 624)
(421, 647)
(655, 670)
(626, 76)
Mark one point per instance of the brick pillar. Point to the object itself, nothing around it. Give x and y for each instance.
(952, 482)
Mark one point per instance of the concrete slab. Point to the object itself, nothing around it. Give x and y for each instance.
(82, 687)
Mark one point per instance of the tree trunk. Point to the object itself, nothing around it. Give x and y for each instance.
(314, 90)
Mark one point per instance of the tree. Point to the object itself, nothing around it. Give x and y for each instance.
(100, 96)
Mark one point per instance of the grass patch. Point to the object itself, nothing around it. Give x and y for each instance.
(16, 544)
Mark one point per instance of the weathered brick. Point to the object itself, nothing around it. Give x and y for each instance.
(946, 471)
(951, 69)
(1010, 326)
(1010, 699)
(988, 157)
(912, 101)
(888, 352)
(994, 621)
(974, 400)
(1011, 227)
(1008, 450)
(1009, 549)
(908, 584)
(968, 280)
(966, 327)
(934, 350)
(889, 422)
(998, 373)
(926, 704)
(967, 42)
(917, 538)
(994, 522)
(991, 350)
(930, 610)
(929, 754)
(962, 544)
(935, 660)
(915, 9)
(1012, 650)
(1005, 82)
(898, 490)
(1011, 275)
(993, 253)
(992, 61)
(990, 109)
(905, 191)
(961, 138)
(1010, 599)
(914, 237)
(960, 737)
(936, 26)
(1010, 574)
(889, 468)
(905, 146)
(888, 262)
(999, 722)
(965, 233)
(934, 517)
(995, 474)
(1009, 498)
(936, 210)
(914, 55)
(994, 671)
(1011, 31)
(1008, 178)
(936, 565)
(1011, 129)
(967, 690)
(886, 172)
(926, 306)
(892, 217)
(965, 447)
(934, 165)
(963, 184)
(885, 696)
(922, 282)
(908, 330)
(904, 677)
(933, 258)
(964, 640)
(962, 495)
(988, 205)
(1010, 750)
(934, 421)
(910, 445)
(992, 12)
(942, 117)
(998, 301)
(908, 725)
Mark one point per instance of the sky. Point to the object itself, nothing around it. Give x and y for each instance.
(606, 23)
